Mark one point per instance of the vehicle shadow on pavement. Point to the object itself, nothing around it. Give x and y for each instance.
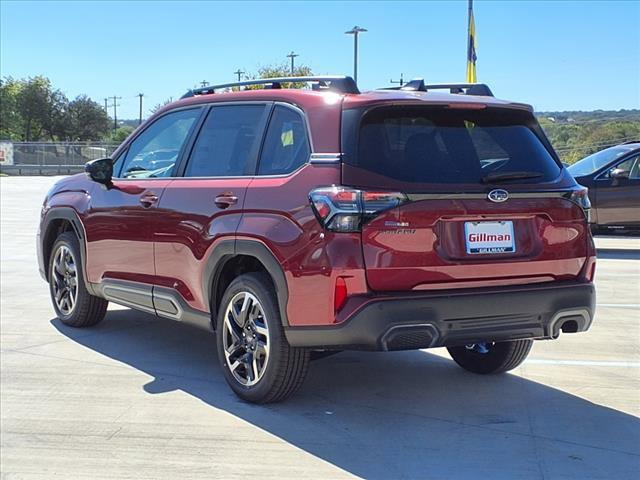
(391, 415)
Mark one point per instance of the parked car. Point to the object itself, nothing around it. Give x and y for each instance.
(325, 219)
(613, 179)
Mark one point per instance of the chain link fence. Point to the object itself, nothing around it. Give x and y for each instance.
(53, 158)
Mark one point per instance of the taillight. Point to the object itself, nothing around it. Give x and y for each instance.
(581, 197)
(343, 209)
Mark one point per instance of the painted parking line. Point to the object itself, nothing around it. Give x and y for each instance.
(583, 363)
(619, 305)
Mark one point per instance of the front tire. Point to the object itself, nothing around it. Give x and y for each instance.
(73, 304)
(491, 357)
(257, 361)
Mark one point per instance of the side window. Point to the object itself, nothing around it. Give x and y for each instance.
(155, 151)
(286, 146)
(630, 167)
(227, 142)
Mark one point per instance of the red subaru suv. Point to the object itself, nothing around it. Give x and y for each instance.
(294, 220)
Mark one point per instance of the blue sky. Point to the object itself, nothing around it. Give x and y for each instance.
(555, 55)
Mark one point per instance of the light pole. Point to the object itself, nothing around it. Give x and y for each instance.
(355, 31)
(140, 95)
(292, 56)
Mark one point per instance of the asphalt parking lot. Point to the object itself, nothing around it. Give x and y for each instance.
(141, 397)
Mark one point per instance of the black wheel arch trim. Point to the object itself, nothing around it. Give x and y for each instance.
(225, 251)
(69, 214)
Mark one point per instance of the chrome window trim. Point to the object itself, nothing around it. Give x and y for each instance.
(321, 158)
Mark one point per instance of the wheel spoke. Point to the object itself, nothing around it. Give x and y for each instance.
(234, 329)
(254, 367)
(72, 298)
(244, 312)
(262, 349)
(234, 366)
(60, 293)
(261, 330)
(233, 350)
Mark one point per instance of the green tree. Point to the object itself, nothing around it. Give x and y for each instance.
(10, 121)
(121, 134)
(160, 105)
(282, 70)
(88, 120)
(35, 102)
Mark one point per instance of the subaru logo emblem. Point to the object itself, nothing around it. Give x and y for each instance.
(498, 195)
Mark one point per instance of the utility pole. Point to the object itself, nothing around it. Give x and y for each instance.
(204, 83)
(239, 73)
(140, 95)
(401, 81)
(292, 56)
(106, 108)
(115, 105)
(355, 31)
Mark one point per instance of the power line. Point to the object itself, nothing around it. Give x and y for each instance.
(401, 81)
(292, 55)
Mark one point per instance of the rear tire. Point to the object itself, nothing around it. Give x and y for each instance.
(72, 302)
(499, 356)
(257, 361)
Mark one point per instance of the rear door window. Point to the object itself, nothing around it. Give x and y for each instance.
(227, 143)
(436, 145)
(286, 146)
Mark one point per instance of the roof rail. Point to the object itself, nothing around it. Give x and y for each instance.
(333, 83)
(630, 142)
(418, 85)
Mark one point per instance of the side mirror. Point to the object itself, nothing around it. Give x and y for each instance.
(100, 170)
(618, 173)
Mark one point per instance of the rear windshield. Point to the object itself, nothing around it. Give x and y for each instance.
(437, 145)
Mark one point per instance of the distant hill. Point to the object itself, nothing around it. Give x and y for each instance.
(577, 134)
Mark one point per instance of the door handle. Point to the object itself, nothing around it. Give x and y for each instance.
(148, 199)
(225, 200)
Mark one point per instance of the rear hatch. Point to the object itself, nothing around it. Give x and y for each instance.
(480, 199)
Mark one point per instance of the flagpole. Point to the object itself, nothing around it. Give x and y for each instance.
(469, 11)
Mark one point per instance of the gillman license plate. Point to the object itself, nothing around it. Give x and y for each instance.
(489, 237)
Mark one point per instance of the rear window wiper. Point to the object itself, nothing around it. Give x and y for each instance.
(495, 177)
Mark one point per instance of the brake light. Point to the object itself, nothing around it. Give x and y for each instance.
(343, 209)
(581, 197)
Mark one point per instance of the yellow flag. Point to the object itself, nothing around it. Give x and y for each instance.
(471, 48)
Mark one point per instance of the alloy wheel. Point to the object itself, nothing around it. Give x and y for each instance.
(246, 339)
(64, 280)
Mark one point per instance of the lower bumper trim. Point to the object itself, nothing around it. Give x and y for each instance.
(449, 318)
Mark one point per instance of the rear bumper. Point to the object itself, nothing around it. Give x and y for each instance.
(456, 317)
